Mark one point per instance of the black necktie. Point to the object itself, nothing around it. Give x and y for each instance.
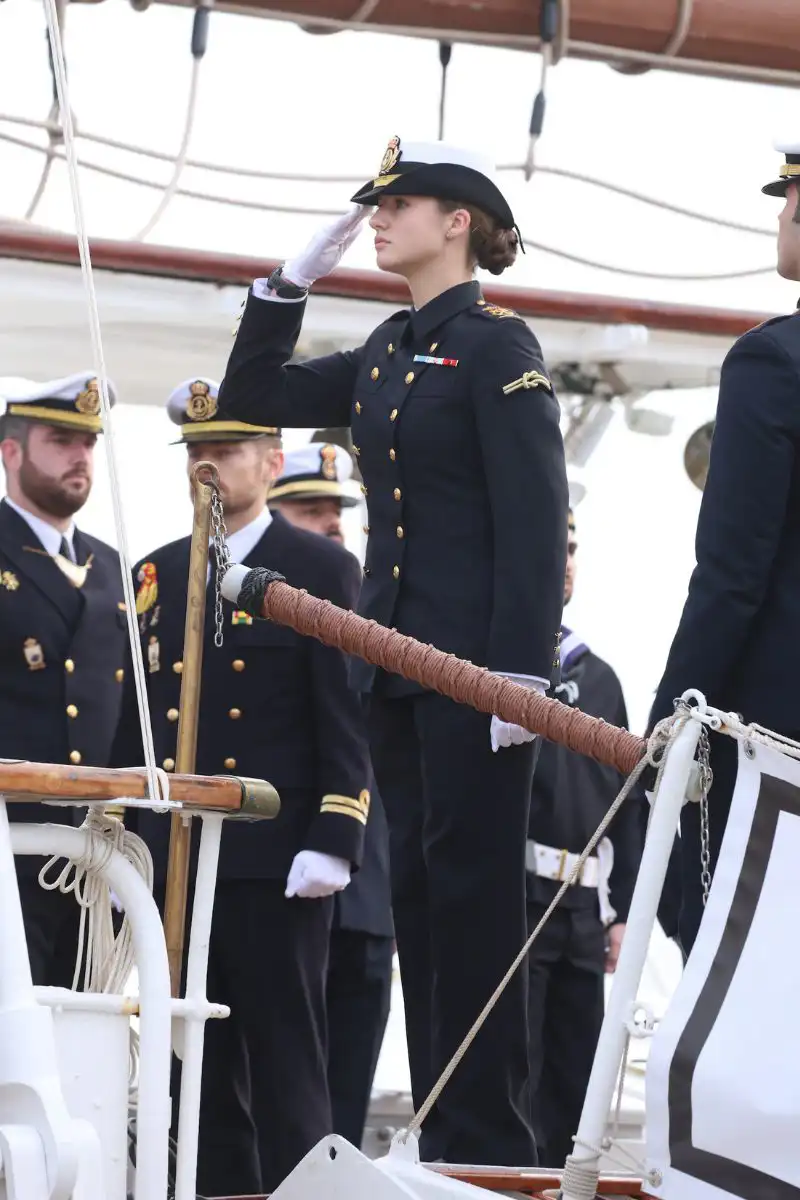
(65, 551)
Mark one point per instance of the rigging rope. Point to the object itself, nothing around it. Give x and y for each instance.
(316, 177)
(60, 76)
(294, 210)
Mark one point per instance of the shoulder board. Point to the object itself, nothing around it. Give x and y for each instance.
(495, 310)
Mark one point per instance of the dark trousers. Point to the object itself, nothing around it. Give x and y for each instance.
(566, 1005)
(458, 818)
(357, 996)
(264, 1097)
(51, 922)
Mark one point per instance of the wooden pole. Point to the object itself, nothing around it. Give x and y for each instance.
(204, 481)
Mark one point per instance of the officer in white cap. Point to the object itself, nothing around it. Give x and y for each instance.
(312, 489)
(456, 431)
(62, 623)
(273, 706)
(735, 641)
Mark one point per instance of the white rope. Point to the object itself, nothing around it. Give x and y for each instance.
(171, 190)
(104, 961)
(60, 76)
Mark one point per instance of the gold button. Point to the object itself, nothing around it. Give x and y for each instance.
(481, 302)
(230, 763)
(393, 415)
(168, 764)
(119, 674)
(75, 756)
(358, 406)
(238, 664)
(410, 377)
(390, 348)
(72, 710)
(172, 714)
(392, 455)
(365, 528)
(399, 531)
(69, 666)
(396, 572)
(366, 572)
(374, 373)
(363, 490)
(235, 713)
(177, 667)
(356, 450)
(398, 495)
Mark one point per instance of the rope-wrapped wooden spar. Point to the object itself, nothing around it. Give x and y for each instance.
(263, 593)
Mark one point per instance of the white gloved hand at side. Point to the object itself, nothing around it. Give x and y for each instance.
(312, 875)
(502, 733)
(324, 252)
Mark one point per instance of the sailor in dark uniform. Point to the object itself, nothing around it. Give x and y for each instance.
(582, 939)
(62, 625)
(456, 428)
(273, 706)
(311, 492)
(735, 641)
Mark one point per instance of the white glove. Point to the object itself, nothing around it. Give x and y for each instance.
(324, 252)
(501, 733)
(313, 874)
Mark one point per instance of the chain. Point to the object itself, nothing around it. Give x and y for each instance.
(219, 540)
(706, 778)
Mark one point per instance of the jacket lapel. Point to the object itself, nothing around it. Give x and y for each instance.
(34, 564)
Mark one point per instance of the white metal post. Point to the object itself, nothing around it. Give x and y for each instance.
(641, 918)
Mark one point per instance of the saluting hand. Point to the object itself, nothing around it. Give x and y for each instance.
(312, 875)
(324, 252)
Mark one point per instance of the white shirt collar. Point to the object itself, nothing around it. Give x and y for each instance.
(48, 535)
(247, 538)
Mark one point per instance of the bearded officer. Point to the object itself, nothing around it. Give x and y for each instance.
(734, 641)
(311, 493)
(278, 706)
(62, 625)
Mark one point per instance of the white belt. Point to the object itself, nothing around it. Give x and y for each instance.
(550, 863)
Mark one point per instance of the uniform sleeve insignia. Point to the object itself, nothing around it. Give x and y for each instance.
(496, 310)
(531, 379)
(147, 594)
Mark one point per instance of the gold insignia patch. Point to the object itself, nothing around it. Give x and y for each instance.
(531, 379)
(9, 581)
(201, 405)
(34, 655)
(147, 594)
(495, 310)
(88, 402)
(328, 456)
(391, 156)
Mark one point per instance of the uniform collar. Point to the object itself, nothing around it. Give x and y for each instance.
(48, 535)
(444, 306)
(246, 539)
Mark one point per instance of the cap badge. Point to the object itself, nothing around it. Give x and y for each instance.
(88, 401)
(391, 156)
(201, 405)
(328, 456)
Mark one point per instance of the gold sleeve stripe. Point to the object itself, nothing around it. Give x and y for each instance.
(344, 810)
(359, 807)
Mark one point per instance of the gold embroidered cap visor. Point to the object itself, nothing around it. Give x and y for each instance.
(224, 431)
(311, 487)
(72, 403)
(440, 171)
(789, 172)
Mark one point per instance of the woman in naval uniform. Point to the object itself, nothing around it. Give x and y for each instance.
(466, 488)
